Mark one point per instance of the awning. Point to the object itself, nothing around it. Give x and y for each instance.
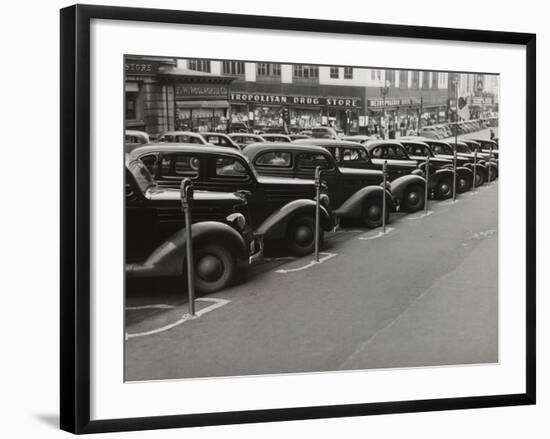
(202, 104)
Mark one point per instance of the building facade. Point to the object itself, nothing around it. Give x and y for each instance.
(214, 95)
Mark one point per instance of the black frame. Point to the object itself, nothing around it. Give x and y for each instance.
(75, 214)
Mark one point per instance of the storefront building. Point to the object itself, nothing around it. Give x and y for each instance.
(297, 107)
(160, 97)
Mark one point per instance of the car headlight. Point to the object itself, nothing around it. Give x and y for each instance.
(237, 220)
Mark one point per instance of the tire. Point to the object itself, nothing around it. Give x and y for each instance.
(481, 178)
(413, 198)
(300, 236)
(215, 268)
(463, 184)
(371, 214)
(444, 188)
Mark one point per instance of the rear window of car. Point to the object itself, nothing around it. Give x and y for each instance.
(277, 159)
(309, 161)
(181, 165)
(227, 168)
(417, 150)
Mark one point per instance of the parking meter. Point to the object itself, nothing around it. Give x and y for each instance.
(384, 182)
(317, 209)
(186, 193)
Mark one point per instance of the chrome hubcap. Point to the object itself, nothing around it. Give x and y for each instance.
(374, 212)
(210, 268)
(303, 235)
(414, 197)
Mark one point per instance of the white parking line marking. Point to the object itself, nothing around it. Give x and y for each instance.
(216, 304)
(449, 203)
(311, 264)
(159, 306)
(422, 215)
(282, 258)
(378, 235)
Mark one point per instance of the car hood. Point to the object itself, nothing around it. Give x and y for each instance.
(401, 163)
(265, 179)
(358, 171)
(167, 194)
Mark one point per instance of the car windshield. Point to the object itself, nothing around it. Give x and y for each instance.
(141, 175)
(460, 147)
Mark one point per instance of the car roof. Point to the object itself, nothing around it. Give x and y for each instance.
(245, 134)
(414, 142)
(183, 147)
(213, 133)
(326, 142)
(254, 149)
(373, 143)
(136, 133)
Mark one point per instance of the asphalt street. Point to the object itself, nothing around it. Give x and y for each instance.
(424, 294)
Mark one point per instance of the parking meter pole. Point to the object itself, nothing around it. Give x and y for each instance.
(317, 209)
(454, 174)
(384, 179)
(186, 191)
(475, 170)
(426, 193)
(489, 165)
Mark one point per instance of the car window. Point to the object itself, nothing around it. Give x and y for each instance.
(417, 150)
(149, 161)
(353, 155)
(228, 167)
(462, 148)
(274, 159)
(439, 148)
(309, 161)
(180, 138)
(181, 165)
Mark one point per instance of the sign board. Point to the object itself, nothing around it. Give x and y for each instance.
(141, 67)
(276, 99)
(200, 91)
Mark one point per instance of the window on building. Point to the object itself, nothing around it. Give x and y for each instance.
(375, 74)
(403, 79)
(131, 105)
(200, 65)
(425, 80)
(435, 79)
(306, 72)
(334, 72)
(233, 68)
(415, 83)
(390, 76)
(268, 70)
(348, 72)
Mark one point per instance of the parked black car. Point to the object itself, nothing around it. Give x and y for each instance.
(280, 209)
(353, 193)
(155, 240)
(442, 149)
(407, 190)
(440, 170)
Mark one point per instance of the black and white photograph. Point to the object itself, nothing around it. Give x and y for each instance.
(284, 218)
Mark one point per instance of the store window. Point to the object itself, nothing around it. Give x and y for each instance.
(425, 80)
(334, 72)
(376, 74)
(403, 79)
(435, 79)
(390, 77)
(235, 68)
(268, 71)
(306, 72)
(348, 72)
(200, 65)
(132, 110)
(415, 83)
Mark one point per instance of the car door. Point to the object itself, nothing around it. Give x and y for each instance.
(398, 161)
(307, 161)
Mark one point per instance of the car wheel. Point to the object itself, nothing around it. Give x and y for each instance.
(215, 268)
(300, 236)
(413, 198)
(480, 178)
(463, 184)
(444, 188)
(371, 214)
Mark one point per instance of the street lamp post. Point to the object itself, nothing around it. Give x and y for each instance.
(384, 92)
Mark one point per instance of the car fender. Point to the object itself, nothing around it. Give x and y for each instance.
(353, 206)
(274, 226)
(479, 167)
(400, 185)
(168, 259)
